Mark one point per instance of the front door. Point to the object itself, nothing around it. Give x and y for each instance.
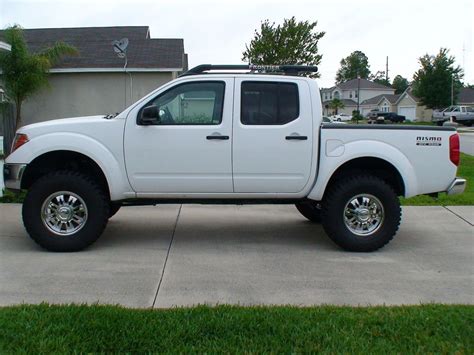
(273, 135)
(189, 149)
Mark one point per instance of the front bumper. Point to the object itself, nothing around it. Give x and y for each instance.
(12, 174)
(456, 187)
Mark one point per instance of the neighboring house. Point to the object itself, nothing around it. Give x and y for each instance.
(466, 97)
(95, 81)
(353, 91)
(374, 96)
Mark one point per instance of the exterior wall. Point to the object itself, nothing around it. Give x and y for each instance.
(423, 113)
(85, 94)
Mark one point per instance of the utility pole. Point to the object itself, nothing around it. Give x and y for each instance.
(452, 89)
(358, 95)
(386, 70)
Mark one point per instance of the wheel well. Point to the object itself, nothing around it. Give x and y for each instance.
(63, 160)
(375, 166)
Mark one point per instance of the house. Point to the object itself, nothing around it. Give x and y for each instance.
(353, 92)
(4, 46)
(97, 80)
(374, 96)
(466, 97)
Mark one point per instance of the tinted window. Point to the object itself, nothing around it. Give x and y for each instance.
(266, 103)
(197, 103)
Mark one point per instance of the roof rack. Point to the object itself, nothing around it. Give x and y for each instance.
(253, 68)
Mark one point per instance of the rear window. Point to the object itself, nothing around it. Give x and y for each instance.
(269, 103)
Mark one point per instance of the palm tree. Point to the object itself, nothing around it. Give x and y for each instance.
(336, 104)
(24, 73)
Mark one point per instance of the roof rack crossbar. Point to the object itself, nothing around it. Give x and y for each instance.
(287, 69)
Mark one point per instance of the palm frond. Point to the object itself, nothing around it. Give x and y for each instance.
(57, 51)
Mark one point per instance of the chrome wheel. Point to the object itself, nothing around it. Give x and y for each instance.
(363, 214)
(64, 213)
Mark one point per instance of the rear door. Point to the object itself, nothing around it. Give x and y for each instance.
(272, 135)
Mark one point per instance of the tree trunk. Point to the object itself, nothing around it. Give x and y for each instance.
(18, 115)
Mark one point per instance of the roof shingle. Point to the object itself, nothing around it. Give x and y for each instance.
(364, 84)
(95, 47)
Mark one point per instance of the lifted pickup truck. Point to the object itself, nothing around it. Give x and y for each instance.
(459, 114)
(210, 137)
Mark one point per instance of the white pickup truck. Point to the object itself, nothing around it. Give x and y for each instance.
(460, 114)
(227, 137)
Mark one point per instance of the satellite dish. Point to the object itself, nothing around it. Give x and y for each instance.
(120, 47)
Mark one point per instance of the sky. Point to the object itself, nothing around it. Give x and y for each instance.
(216, 32)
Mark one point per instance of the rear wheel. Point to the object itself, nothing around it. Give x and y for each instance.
(310, 209)
(65, 211)
(361, 213)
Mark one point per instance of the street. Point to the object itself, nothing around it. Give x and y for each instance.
(467, 143)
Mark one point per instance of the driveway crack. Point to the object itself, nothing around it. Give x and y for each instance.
(457, 215)
(167, 256)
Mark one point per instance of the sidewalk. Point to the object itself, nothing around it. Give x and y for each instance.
(183, 255)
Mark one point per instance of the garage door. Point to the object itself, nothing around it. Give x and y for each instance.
(408, 111)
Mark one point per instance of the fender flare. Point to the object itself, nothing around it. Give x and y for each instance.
(364, 149)
(114, 172)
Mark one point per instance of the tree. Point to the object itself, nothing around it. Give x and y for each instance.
(400, 84)
(380, 78)
(354, 65)
(336, 104)
(433, 82)
(24, 73)
(291, 43)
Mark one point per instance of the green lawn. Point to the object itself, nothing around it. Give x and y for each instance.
(226, 329)
(466, 170)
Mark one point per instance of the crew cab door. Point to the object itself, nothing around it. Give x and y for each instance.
(273, 135)
(189, 149)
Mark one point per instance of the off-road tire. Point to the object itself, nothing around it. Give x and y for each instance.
(334, 203)
(93, 196)
(310, 209)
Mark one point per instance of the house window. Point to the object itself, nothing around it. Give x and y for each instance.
(355, 94)
(350, 95)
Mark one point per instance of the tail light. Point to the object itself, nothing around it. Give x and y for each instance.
(454, 149)
(19, 140)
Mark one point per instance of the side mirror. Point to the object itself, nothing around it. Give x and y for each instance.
(150, 116)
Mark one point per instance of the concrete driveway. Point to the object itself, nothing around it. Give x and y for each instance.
(182, 255)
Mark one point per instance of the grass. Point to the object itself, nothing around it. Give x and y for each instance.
(230, 329)
(12, 197)
(466, 170)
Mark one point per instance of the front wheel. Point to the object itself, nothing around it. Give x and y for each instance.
(361, 213)
(65, 211)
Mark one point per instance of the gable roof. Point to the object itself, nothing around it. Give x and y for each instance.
(95, 48)
(392, 98)
(466, 96)
(364, 84)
